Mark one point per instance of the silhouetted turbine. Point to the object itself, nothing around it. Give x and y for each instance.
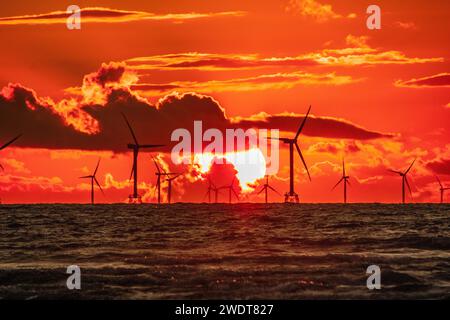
(7, 144)
(134, 171)
(93, 179)
(159, 173)
(291, 195)
(230, 190)
(442, 189)
(345, 179)
(265, 188)
(211, 188)
(404, 180)
(169, 189)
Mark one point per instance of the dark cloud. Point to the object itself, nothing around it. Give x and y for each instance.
(326, 127)
(438, 80)
(96, 123)
(439, 166)
(22, 112)
(87, 13)
(108, 73)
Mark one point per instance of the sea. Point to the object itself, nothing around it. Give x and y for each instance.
(225, 251)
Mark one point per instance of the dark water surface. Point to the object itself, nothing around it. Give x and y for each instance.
(216, 251)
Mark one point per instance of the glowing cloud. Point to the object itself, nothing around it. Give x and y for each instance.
(317, 11)
(108, 15)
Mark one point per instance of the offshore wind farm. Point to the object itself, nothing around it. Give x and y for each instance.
(284, 149)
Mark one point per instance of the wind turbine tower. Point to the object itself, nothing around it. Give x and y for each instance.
(404, 180)
(291, 196)
(135, 147)
(93, 178)
(345, 179)
(265, 188)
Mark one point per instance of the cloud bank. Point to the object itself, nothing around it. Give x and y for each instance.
(93, 122)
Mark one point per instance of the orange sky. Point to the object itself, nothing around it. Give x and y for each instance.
(276, 57)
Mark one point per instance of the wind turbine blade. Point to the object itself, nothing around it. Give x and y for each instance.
(337, 183)
(343, 168)
(235, 193)
(9, 142)
(407, 184)
(96, 168)
(84, 177)
(273, 190)
(410, 166)
(98, 184)
(156, 165)
(303, 160)
(394, 171)
(347, 181)
(1, 167)
(132, 171)
(439, 181)
(303, 124)
(131, 129)
(262, 189)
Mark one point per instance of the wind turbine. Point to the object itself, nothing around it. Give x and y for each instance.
(7, 144)
(159, 173)
(291, 195)
(265, 188)
(404, 180)
(345, 179)
(93, 179)
(169, 189)
(442, 189)
(230, 190)
(211, 188)
(135, 197)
